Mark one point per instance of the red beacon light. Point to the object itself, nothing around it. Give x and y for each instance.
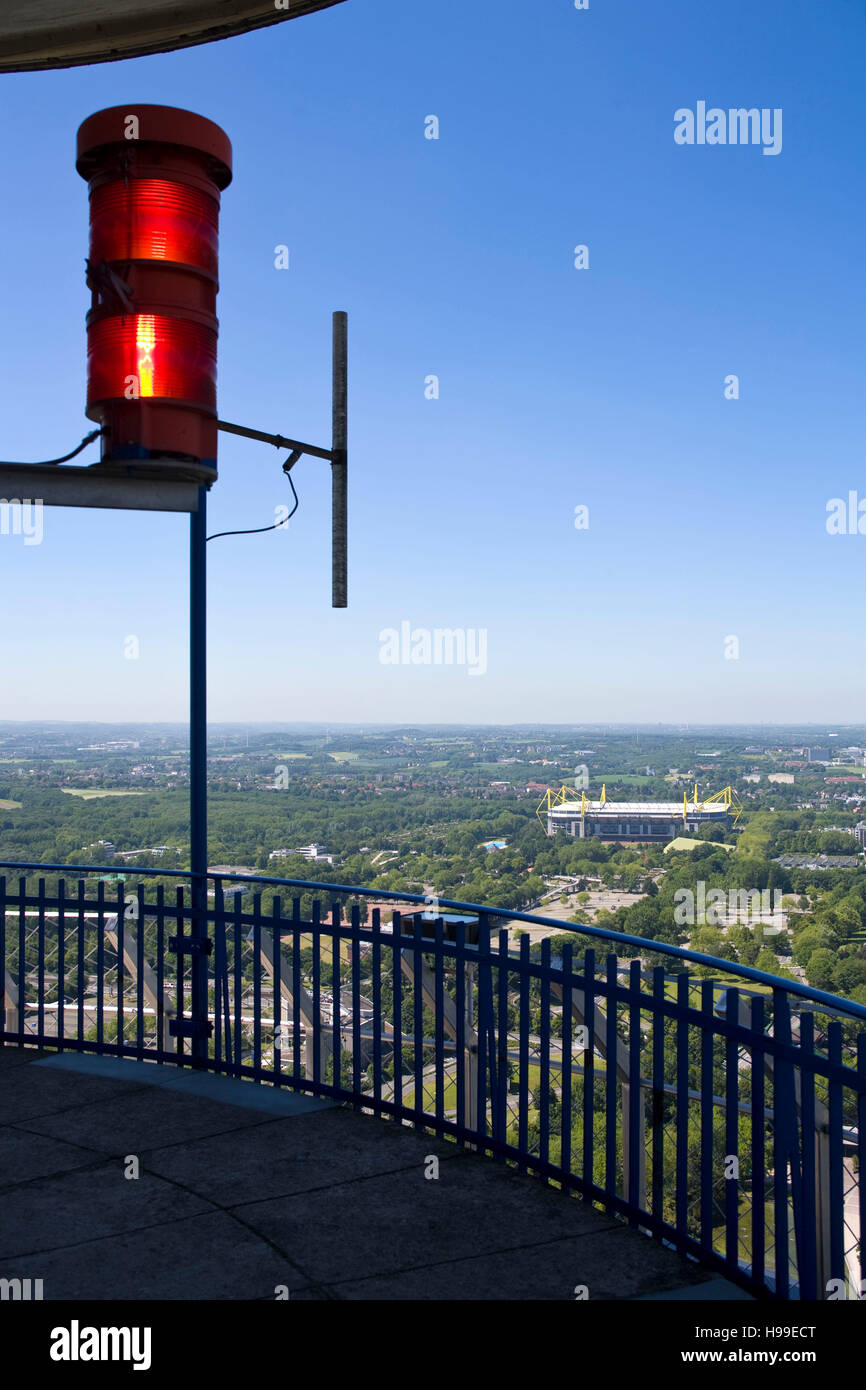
(155, 176)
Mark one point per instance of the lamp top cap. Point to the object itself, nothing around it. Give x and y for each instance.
(160, 125)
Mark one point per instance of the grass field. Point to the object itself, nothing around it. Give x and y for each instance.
(88, 795)
(9, 805)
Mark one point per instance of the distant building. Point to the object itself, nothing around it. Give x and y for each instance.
(818, 861)
(317, 854)
(819, 755)
(780, 777)
(860, 832)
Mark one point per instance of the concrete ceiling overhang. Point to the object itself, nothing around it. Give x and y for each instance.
(37, 35)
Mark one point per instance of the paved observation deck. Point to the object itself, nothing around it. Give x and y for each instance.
(245, 1190)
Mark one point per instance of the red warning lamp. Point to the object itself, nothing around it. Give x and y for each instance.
(155, 176)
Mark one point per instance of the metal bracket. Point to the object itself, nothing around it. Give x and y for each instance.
(279, 441)
(190, 945)
(190, 1028)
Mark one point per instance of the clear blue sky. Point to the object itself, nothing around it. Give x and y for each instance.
(559, 387)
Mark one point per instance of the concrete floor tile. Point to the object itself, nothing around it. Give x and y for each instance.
(612, 1264)
(145, 1120)
(298, 1154)
(30, 1092)
(11, 1055)
(24, 1156)
(62, 1211)
(399, 1221)
(205, 1257)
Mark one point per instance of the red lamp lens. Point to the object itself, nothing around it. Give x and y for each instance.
(154, 220)
(147, 356)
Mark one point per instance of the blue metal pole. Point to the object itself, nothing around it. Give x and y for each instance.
(198, 772)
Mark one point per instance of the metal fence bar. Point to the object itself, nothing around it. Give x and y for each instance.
(22, 955)
(809, 1225)
(708, 1162)
(40, 963)
(257, 982)
(523, 1050)
(544, 1088)
(376, 966)
(356, 999)
(139, 967)
(658, 1094)
(482, 1055)
(567, 1045)
(461, 1041)
(837, 1194)
(100, 961)
(61, 893)
(317, 995)
(336, 1029)
(439, 1013)
(238, 982)
(759, 1224)
(500, 1098)
(634, 1144)
(418, 1023)
(277, 986)
(610, 1077)
(120, 972)
(732, 1134)
(222, 984)
(179, 916)
(781, 1131)
(296, 989)
(61, 974)
(589, 1068)
(397, 986)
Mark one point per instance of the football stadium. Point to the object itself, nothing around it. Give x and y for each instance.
(653, 821)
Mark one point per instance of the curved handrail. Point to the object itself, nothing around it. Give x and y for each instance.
(747, 972)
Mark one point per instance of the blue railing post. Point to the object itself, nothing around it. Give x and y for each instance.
(198, 779)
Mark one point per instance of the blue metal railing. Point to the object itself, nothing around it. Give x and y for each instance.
(725, 1120)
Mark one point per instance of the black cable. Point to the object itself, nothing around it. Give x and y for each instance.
(256, 530)
(94, 434)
